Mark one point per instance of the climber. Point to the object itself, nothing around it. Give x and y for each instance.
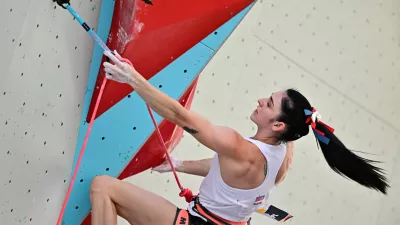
(239, 178)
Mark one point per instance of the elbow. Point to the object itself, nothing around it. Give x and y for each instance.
(179, 115)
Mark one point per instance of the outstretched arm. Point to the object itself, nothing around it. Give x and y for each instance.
(194, 167)
(220, 139)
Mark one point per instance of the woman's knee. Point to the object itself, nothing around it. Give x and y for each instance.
(100, 185)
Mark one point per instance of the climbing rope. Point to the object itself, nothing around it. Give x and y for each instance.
(186, 193)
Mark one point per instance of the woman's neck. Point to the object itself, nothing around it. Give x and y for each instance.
(267, 140)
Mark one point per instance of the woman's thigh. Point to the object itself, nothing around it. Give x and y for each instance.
(137, 205)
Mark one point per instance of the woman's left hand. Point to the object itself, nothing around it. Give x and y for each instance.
(120, 72)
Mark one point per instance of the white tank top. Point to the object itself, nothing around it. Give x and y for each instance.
(239, 204)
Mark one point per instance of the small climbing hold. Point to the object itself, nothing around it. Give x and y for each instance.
(148, 2)
(62, 2)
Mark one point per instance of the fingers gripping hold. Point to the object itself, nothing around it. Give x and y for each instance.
(119, 71)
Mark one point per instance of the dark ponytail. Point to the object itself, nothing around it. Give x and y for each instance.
(347, 164)
(296, 114)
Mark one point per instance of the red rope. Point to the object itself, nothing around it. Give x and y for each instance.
(186, 193)
(60, 217)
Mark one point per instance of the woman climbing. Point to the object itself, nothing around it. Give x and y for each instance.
(242, 172)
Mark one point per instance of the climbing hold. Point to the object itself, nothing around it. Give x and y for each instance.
(62, 2)
(148, 2)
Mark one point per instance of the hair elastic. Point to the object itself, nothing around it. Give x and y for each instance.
(314, 117)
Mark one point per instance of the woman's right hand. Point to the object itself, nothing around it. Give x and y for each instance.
(166, 167)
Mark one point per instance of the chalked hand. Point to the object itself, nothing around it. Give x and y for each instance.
(121, 71)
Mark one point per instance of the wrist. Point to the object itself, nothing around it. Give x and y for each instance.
(134, 76)
(179, 166)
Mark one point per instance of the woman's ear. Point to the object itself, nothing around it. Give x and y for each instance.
(278, 126)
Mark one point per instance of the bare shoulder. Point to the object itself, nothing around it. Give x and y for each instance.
(245, 171)
(224, 140)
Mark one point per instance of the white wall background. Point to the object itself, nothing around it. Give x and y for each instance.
(45, 64)
(344, 55)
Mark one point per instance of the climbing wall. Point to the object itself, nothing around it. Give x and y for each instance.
(45, 65)
(343, 55)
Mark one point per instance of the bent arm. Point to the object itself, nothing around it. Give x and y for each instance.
(195, 167)
(286, 164)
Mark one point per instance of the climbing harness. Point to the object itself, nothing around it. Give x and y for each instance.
(211, 218)
(186, 193)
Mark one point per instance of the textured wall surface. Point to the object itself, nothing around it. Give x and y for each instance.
(45, 65)
(343, 55)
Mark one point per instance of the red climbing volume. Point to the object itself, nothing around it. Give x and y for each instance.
(153, 36)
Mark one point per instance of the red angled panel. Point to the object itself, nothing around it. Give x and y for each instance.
(153, 36)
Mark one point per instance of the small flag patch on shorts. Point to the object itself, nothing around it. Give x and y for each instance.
(259, 199)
